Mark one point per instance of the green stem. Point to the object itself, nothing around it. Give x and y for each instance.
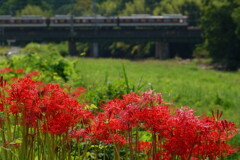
(130, 145)
(116, 153)
(137, 142)
(154, 145)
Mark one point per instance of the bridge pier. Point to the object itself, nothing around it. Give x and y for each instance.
(95, 49)
(72, 47)
(162, 50)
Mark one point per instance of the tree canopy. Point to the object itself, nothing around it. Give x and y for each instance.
(221, 32)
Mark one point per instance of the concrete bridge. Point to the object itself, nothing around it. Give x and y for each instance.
(161, 37)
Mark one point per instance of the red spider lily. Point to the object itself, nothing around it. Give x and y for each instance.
(5, 70)
(20, 70)
(143, 146)
(32, 74)
(1, 107)
(163, 155)
(190, 136)
(78, 91)
(82, 134)
(155, 119)
(49, 104)
(23, 98)
(62, 111)
(46, 107)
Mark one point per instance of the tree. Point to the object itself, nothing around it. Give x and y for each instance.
(84, 7)
(220, 35)
(34, 10)
(236, 16)
(135, 7)
(190, 8)
(109, 7)
(13, 6)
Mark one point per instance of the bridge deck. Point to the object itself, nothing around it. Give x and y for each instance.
(178, 35)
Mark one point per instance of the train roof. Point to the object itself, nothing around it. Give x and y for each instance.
(174, 16)
(93, 17)
(5, 16)
(30, 17)
(148, 16)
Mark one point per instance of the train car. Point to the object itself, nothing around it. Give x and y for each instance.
(149, 20)
(5, 20)
(93, 21)
(60, 21)
(82, 21)
(24, 21)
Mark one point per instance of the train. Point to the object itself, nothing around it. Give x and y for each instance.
(136, 20)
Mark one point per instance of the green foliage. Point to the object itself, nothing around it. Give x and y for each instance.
(45, 59)
(60, 48)
(200, 52)
(34, 10)
(131, 50)
(85, 7)
(97, 94)
(109, 7)
(14, 6)
(3, 50)
(219, 28)
(236, 16)
(191, 8)
(135, 7)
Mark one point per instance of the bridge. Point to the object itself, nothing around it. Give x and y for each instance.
(161, 37)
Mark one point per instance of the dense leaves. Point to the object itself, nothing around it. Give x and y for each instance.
(221, 32)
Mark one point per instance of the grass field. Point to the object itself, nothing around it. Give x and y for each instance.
(182, 82)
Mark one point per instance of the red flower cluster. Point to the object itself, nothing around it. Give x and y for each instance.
(178, 134)
(45, 107)
(5, 70)
(123, 122)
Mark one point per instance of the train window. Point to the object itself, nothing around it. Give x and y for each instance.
(26, 21)
(135, 20)
(127, 20)
(85, 21)
(158, 20)
(61, 21)
(34, 21)
(18, 21)
(143, 20)
(77, 21)
(166, 20)
(181, 21)
(100, 21)
(150, 20)
(174, 20)
(108, 20)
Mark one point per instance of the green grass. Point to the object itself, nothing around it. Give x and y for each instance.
(180, 82)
